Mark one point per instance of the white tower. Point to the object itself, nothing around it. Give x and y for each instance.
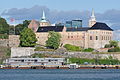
(43, 21)
(92, 20)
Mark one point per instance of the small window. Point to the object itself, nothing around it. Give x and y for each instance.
(96, 37)
(22, 60)
(35, 60)
(49, 60)
(68, 36)
(90, 37)
(102, 38)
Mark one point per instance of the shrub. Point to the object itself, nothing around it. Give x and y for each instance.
(70, 47)
(88, 50)
(43, 49)
(107, 46)
(116, 49)
(112, 44)
(94, 61)
(3, 36)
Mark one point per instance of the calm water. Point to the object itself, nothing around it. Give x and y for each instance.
(60, 74)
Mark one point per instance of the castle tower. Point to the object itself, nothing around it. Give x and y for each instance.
(92, 20)
(43, 21)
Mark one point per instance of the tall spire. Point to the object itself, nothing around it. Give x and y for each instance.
(43, 19)
(92, 20)
(93, 14)
(43, 16)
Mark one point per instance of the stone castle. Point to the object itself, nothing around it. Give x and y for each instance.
(96, 35)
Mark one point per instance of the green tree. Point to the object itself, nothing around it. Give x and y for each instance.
(107, 46)
(116, 49)
(53, 40)
(20, 27)
(4, 27)
(114, 43)
(27, 38)
(11, 30)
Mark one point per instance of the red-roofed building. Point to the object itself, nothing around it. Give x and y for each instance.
(33, 25)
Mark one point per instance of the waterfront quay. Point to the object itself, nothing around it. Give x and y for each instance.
(49, 63)
(62, 67)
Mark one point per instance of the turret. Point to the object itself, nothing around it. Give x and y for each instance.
(92, 20)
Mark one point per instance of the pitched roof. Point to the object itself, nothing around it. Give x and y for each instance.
(100, 26)
(33, 25)
(77, 29)
(50, 28)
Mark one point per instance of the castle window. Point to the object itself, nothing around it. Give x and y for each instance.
(90, 37)
(96, 37)
(71, 36)
(102, 37)
(68, 36)
(77, 36)
(108, 38)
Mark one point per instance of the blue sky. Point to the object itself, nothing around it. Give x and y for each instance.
(65, 5)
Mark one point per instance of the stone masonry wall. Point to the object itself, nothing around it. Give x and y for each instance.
(4, 42)
(14, 40)
(21, 51)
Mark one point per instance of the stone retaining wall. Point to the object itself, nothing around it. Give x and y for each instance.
(4, 42)
(21, 51)
(88, 55)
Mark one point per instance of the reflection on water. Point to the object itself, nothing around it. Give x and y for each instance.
(42, 74)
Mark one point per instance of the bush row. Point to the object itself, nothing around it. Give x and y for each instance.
(94, 61)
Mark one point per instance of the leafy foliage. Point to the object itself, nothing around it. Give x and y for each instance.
(11, 30)
(112, 44)
(53, 40)
(94, 61)
(20, 27)
(4, 27)
(107, 46)
(70, 47)
(27, 38)
(3, 36)
(46, 55)
(5, 53)
(116, 49)
(88, 50)
(43, 49)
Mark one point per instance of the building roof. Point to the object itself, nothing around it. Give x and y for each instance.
(34, 25)
(50, 28)
(77, 29)
(100, 26)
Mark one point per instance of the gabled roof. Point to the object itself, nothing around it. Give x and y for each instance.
(100, 26)
(33, 25)
(50, 28)
(77, 29)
